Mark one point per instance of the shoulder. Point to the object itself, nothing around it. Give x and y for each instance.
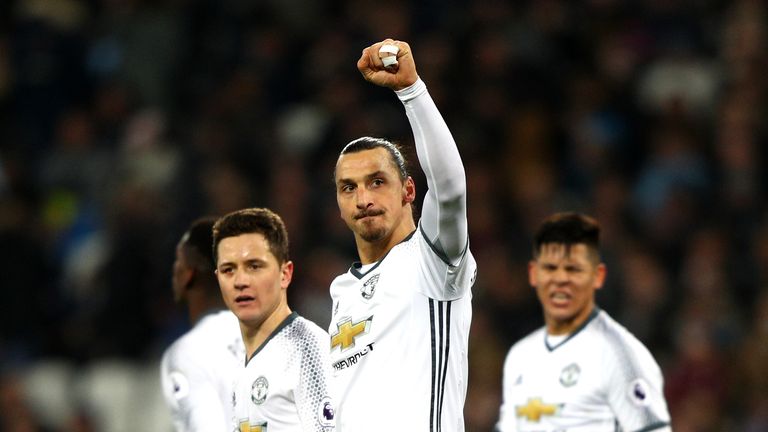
(523, 347)
(221, 321)
(181, 348)
(618, 341)
(211, 335)
(306, 329)
(311, 341)
(607, 328)
(180, 363)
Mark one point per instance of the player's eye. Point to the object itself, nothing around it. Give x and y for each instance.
(377, 182)
(347, 188)
(226, 270)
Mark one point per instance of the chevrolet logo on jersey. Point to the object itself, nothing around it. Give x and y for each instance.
(245, 426)
(534, 409)
(347, 332)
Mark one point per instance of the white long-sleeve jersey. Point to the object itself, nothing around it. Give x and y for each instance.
(284, 386)
(600, 378)
(197, 373)
(400, 328)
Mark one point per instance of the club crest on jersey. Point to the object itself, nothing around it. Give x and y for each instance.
(259, 390)
(369, 287)
(570, 375)
(638, 392)
(325, 416)
(347, 332)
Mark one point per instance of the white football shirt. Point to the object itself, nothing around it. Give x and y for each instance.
(197, 373)
(399, 337)
(284, 385)
(599, 378)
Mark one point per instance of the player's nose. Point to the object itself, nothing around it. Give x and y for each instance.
(240, 280)
(560, 275)
(363, 198)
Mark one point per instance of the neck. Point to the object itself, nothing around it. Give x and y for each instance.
(564, 327)
(372, 251)
(254, 335)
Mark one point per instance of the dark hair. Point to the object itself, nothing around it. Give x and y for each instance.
(196, 244)
(568, 228)
(253, 221)
(368, 143)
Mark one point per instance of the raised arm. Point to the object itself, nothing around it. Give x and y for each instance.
(444, 211)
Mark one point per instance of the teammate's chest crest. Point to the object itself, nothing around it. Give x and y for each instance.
(368, 289)
(259, 390)
(569, 376)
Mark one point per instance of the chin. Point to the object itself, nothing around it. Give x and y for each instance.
(561, 315)
(372, 235)
(251, 320)
(370, 232)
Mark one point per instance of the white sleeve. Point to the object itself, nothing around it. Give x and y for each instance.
(313, 395)
(191, 397)
(444, 211)
(634, 386)
(507, 419)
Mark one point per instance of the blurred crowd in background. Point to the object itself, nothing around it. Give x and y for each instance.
(124, 120)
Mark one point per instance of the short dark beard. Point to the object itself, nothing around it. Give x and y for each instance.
(373, 234)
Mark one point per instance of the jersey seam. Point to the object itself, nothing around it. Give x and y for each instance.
(440, 254)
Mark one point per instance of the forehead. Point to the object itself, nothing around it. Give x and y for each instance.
(557, 252)
(351, 165)
(244, 247)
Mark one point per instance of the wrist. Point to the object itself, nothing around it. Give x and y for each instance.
(412, 91)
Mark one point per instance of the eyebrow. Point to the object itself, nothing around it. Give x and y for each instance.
(370, 176)
(248, 261)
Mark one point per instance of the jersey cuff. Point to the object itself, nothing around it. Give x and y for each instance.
(412, 92)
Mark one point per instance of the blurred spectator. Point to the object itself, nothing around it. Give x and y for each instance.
(752, 370)
(15, 412)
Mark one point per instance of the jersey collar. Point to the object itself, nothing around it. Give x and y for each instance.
(355, 268)
(578, 330)
(289, 319)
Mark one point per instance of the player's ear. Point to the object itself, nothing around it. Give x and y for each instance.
(409, 190)
(600, 276)
(186, 277)
(532, 279)
(286, 274)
